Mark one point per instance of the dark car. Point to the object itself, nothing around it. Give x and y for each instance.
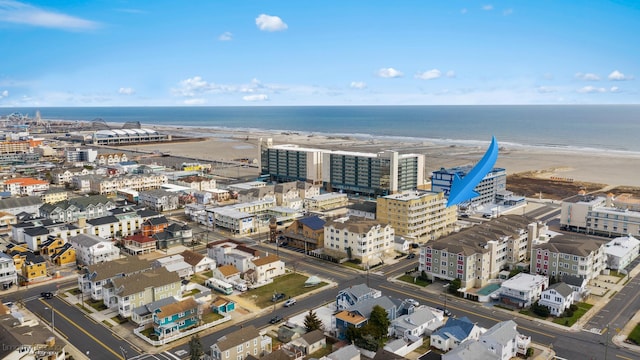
(445, 311)
(415, 245)
(47, 295)
(278, 297)
(276, 319)
(411, 256)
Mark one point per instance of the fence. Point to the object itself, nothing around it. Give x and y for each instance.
(180, 335)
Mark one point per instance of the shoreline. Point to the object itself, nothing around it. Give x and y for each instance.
(613, 169)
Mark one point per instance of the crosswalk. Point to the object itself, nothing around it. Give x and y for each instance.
(160, 356)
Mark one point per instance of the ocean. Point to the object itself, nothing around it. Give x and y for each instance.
(608, 128)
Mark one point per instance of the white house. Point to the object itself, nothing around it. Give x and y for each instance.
(226, 273)
(413, 326)
(159, 200)
(523, 289)
(91, 249)
(558, 298)
(199, 263)
(230, 252)
(501, 342)
(264, 269)
(8, 273)
(401, 244)
(621, 251)
(358, 238)
(175, 263)
(454, 332)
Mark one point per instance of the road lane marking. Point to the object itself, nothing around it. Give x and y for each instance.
(86, 333)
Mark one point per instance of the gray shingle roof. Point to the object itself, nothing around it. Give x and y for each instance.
(237, 337)
(17, 202)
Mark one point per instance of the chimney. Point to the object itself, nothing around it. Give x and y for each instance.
(82, 222)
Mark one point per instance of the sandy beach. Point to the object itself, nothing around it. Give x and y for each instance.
(614, 169)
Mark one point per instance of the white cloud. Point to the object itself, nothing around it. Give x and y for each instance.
(256, 97)
(591, 90)
(4, 94)
(358, 85)
(507, 12)
(126, 91)
(196, 101)
(487, 7)
(618, 76)
(429, 75)
(545, 89)
(614, 89)
(270, 23)
(587, 76)
(451, 74)
(389, 73)
(225, 36)
(20, 13)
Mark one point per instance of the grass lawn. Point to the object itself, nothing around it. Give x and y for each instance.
(98, 305)
(291, 285)
(634, 336)
(410, 279)
(569, 321)
(211, 317)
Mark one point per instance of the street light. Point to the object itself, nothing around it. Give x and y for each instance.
(53, 320)
(446, 289)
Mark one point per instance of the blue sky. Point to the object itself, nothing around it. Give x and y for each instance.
(244, 53)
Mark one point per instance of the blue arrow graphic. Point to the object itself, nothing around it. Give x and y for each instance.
(462, 189)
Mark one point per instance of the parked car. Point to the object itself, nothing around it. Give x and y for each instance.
(47, 295)
(412, 302)
(411, 256)
(278, 297)
(445, 311)
(289, 302)
(415, 245)
(276, 319)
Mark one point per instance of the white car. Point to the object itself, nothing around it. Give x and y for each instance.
(289, 302)
(412, 302)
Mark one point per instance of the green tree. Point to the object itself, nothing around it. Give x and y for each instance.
(379, 322)
(195, 348)
(312, 321)
(540, 310)
(454, 286)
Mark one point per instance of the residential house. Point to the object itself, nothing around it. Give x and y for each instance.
(65, 176)
(35, 232)
(365, 240)
(305, 234)
(53, 196)
(226, 273)
(138, 289)
(51, 245)
(110, 185)
(500, 342)
(93, 279)
(23, 338)
(8, 273)
(454, 332)
(349, 352)
(82, 183)
(25, 186)
(308, 343)
(355, 294)
(358, 314)
(169, 320)
(139, 244)
(401, 244)
(523, 289)
(570, 254)
(64, 255)
(34, 267)
(327, 201)
(175, 264)
(154, 225)
(346, 319)
(173, 235)
(159, 200)
(7, 220)
(422, 321)
(200, 263)
(222, 305)
(199, 183)
(264, 269)
(558, 298)
(363, 209)
(111, 158)
(143, 315)
(91, 249)
(578, 285)
(17, 205)
(87, 207)
(240, 344)
(621, 251)
(232, 252)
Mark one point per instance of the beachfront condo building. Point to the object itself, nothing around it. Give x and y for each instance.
(370, 174)
(419, 215)
(598, 215)
(477, 254)
(367, 241)
(494, 183)
(577, 255)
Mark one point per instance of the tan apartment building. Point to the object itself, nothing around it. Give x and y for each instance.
(357, 238)
(419, 215)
